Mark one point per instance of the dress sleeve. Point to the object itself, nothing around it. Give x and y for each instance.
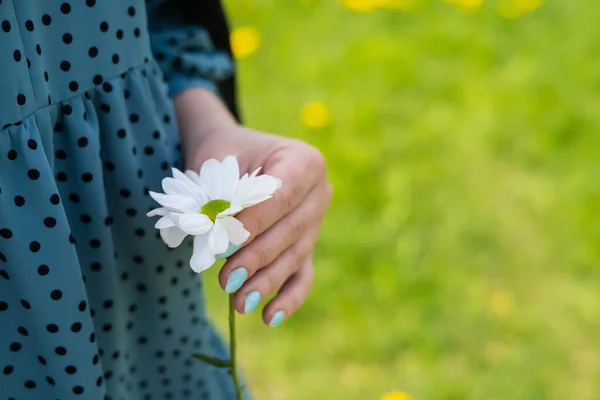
(185, 52)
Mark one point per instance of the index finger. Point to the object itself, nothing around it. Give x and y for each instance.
(299, 172)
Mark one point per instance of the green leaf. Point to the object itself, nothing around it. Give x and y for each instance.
(217, 362)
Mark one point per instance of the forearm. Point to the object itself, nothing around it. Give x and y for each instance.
(200, 112)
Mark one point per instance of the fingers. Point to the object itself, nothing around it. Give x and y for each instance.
(291, 296)
(272, 277)
(299, 172)
(268, 246)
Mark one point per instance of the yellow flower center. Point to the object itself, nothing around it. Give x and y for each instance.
(214, 207)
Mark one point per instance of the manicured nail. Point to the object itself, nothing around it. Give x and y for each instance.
(236, 279)
(277, 318)
(229, 252)
(251, 301)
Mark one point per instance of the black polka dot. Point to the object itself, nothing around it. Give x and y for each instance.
(52, 328)
(96, 266)
(8, 370)
(137, 33)
(6, 233)
(12, 155)
(98, 79)
(67, 38)
(43, 270)
(115, 58)
(60, 350)
(46, 19)
(85, 218)
(3, 306)
(73, 86)
(70, 369)
(93, 51)
(33, 174)
(50, 380)
(6, 26)
(21, 99)
(17, 55)
(76, 327)
(4, 274)
(82, 142)
(34, 246)
(19, 201)
(25, 304)
(29, 384)
(120, 34)
(15, 346)
(121, 133)
(104, 26)
(134, 118)
(105, 108)
(61, 154)
(87, 177)
(95, 243)
(65, 8)
(38, 49)
(55, 199)
(29, 25)
(56, 294)
(65, 65)
(148, 150)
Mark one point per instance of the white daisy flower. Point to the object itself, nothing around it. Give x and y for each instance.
(204, 205)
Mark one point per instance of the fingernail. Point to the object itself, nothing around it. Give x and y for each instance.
(229, 252)
(251, 301)
(236, 279)
(277, 318)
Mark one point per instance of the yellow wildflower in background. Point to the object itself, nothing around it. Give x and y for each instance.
(469, 5)
(528, 5)
(397, 4)
(500, 303)
(315, 115)
(360, 6)
(244, 41)
(396, 396)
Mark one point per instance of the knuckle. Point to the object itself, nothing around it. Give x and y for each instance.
(294, 229)
(317, 159)
(289, 197)
(261, 258)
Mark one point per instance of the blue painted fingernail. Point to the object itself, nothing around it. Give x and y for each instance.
(236, 279)
(251, 301)
(229, 252)
(277, 318)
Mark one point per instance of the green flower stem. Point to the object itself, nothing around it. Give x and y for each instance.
(234, 372)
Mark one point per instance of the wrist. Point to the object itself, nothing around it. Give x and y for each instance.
(200, 114)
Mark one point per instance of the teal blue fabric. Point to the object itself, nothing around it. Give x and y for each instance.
(92, 304)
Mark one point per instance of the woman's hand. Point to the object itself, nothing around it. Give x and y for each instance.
(278, 255)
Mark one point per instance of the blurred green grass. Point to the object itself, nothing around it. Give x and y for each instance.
(461, 255)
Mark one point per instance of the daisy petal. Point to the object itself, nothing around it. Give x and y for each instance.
(176, 203)
(195, 224)
(230, 176)
(256, 171)
(217, 238)
(235, 231)
(256, 190)
(210, 177)
(172, 236)
(202, 257)
(164, 222)
(158, 211)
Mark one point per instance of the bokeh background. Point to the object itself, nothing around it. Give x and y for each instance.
(461, 256)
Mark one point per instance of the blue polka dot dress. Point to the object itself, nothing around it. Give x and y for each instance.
(92, 304)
